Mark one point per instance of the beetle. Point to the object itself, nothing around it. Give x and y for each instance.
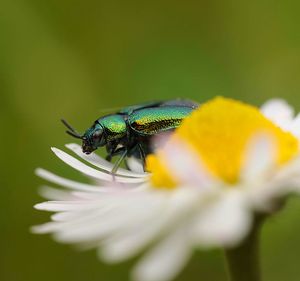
(128, 132)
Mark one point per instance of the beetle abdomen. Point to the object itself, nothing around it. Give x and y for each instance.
(150, 121)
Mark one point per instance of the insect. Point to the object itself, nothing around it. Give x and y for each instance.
(128, 132)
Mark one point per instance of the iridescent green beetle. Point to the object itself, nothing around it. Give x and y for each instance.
(129, 132)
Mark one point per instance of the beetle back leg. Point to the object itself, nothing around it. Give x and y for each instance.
(142, 155)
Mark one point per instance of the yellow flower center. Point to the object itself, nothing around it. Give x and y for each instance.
(219, 131)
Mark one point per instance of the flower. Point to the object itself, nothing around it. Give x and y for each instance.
(226, 162)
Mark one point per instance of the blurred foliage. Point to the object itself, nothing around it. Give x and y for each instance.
(77, 58)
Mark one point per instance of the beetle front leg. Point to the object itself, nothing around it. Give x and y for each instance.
(108, 157)
(112, 150)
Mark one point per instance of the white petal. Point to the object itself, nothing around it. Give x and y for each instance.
(63, 216)
(295, 126)
(43, 228)
(68, 183)
(135, 165)
(264, 195)
(51, 193)
(59, 206)
(169, 210)
(78, 204)
(279, 112)
(124, 214)
(186, 165)
(223, 222)
(166, 260)
(89, 171)
(72, 216)
(294, 185)
(101, 163)
(260, 157)
(127, 244)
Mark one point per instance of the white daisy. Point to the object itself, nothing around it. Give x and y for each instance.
(226, 162)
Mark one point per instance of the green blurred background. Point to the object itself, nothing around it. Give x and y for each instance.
(78, 58)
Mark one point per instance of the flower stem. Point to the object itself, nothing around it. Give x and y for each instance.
(243, 261)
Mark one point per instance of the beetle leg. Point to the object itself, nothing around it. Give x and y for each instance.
(118, 162)
(126, 165)
(142, 154)
(137, 152)
(108, 157)
(113, 151)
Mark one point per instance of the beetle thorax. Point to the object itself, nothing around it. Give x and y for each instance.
(114, 127)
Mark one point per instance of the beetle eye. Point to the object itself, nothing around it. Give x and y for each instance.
(97, 136)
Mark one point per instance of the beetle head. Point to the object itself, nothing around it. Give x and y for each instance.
(93, 138)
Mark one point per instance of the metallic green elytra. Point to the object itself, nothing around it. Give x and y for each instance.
(129, 131)
(151, 121)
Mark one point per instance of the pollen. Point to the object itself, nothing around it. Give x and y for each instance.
(219, 131)
(161, 177)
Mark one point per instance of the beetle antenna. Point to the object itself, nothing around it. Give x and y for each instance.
(72, 132)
